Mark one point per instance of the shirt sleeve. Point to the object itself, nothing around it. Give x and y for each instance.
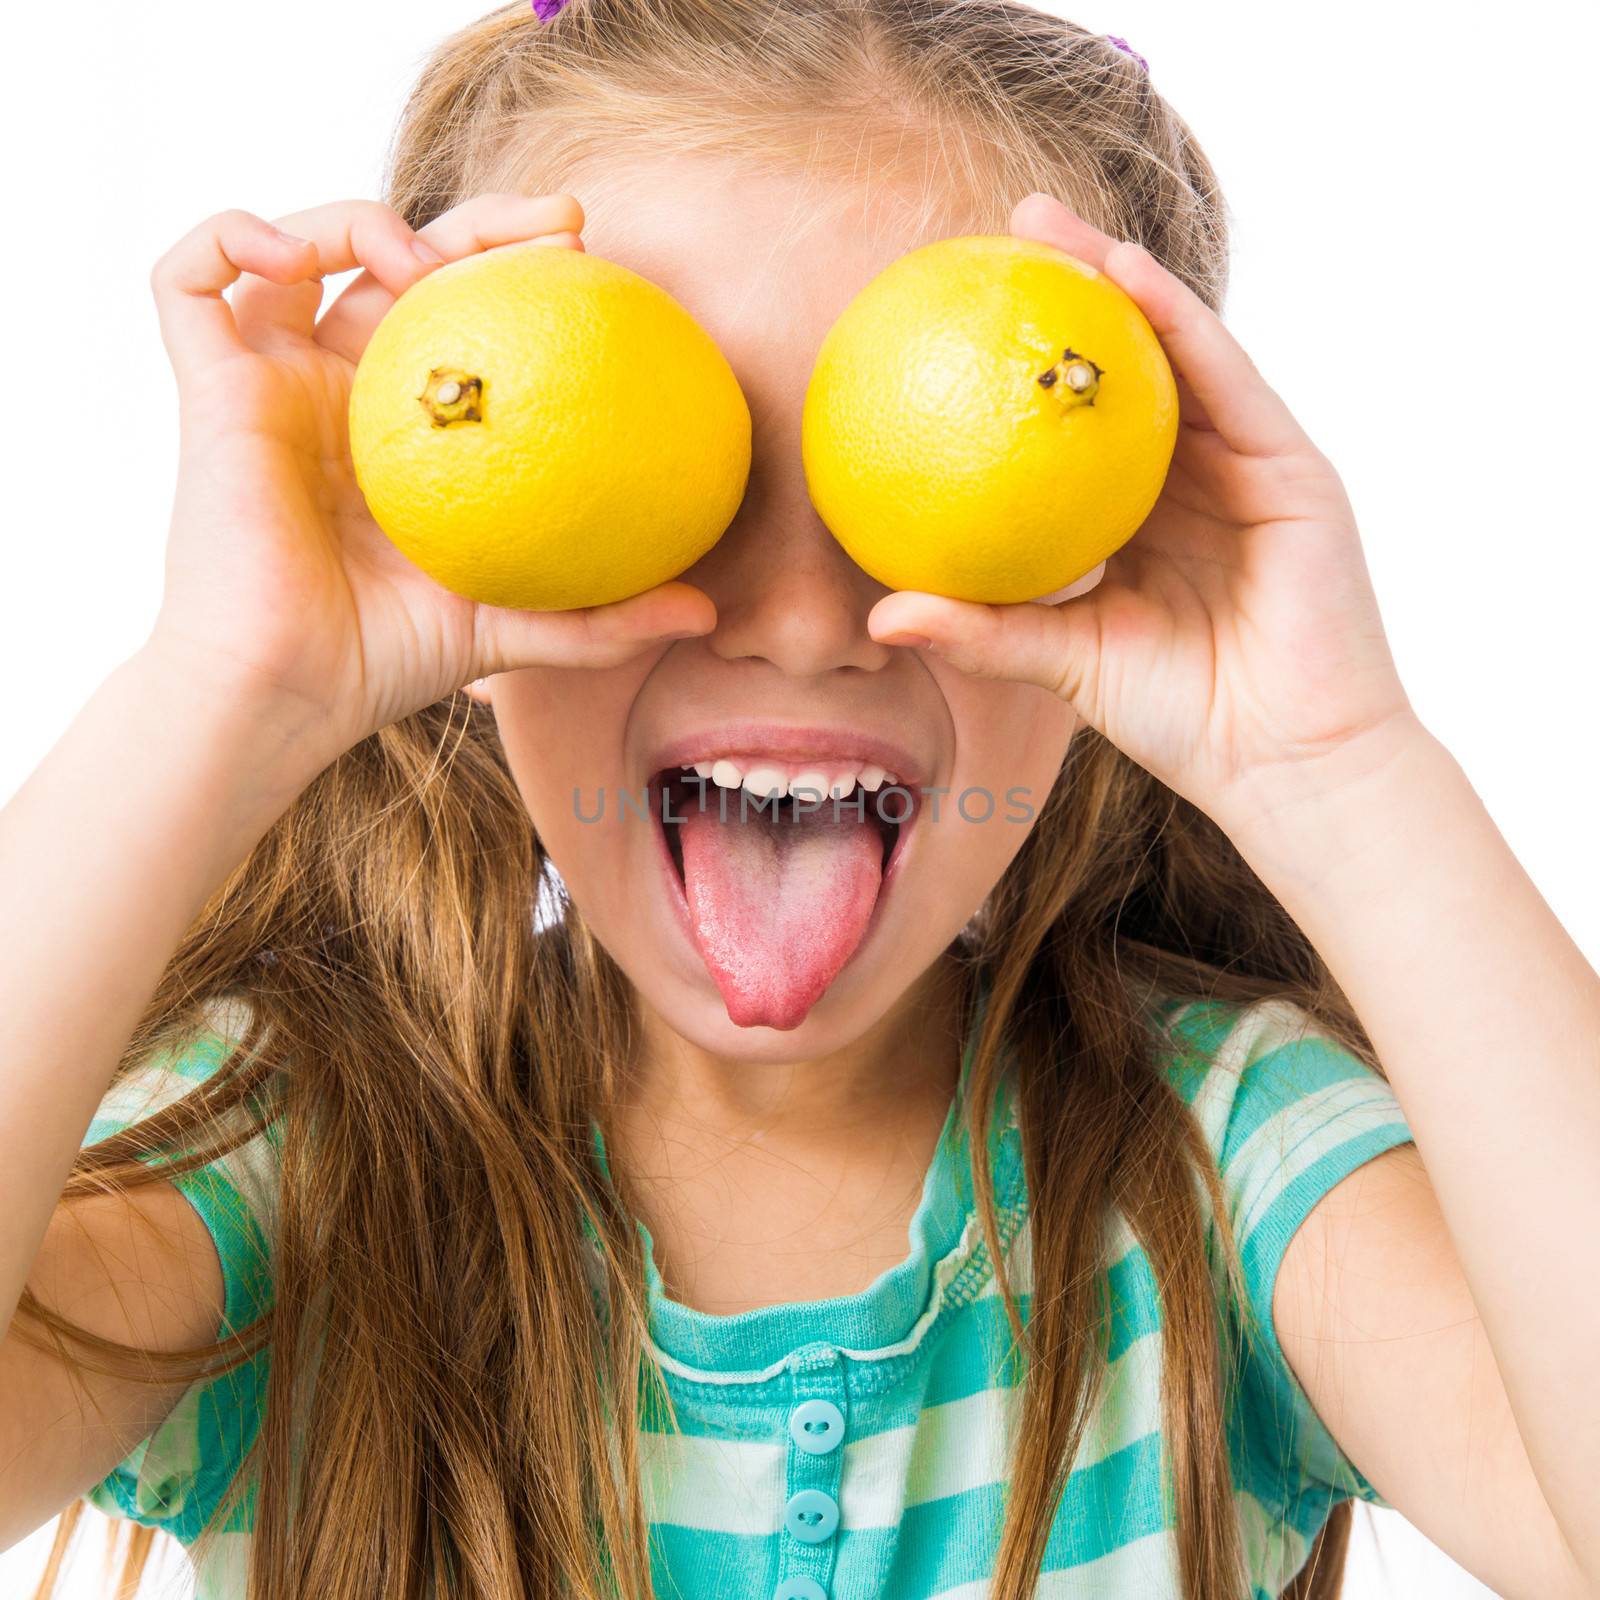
(1289, 1113)
(175, 1479)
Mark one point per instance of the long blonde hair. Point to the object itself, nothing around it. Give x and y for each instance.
(437, 1064)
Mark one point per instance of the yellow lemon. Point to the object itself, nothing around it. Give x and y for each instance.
(538, 427)
(988, 419)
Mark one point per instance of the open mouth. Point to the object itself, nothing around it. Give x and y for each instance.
(781, 876)
(685, 791)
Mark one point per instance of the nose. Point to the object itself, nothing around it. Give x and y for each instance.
(787, 593)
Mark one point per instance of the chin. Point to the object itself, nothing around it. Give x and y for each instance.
(853, 1005)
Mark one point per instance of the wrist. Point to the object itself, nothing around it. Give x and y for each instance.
(1305, 823)
(268, 744)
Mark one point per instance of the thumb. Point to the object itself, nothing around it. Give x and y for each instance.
(1051, 646)
(589, 636)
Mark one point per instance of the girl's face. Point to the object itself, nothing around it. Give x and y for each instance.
(786, 935)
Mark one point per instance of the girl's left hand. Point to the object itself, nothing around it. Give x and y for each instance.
(1235, 642)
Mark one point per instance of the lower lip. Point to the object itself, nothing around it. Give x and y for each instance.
(680, 905)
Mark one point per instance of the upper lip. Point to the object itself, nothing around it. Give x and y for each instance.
(789, 742)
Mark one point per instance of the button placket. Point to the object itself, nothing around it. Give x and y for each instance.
(815, 1429)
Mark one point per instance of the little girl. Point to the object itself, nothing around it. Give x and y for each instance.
(407, 1195)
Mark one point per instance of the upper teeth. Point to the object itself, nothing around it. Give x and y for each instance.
(767, 780)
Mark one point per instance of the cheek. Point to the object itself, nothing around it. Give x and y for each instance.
(1010, 741)
(1008, 735)
(562, 731)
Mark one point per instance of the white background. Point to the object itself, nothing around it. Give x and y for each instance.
(1405, 181)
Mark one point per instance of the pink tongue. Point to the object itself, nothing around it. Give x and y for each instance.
(778, 905)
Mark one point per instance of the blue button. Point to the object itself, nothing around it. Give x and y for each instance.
(811, 1516)
(801, 1589)
(817, 1427)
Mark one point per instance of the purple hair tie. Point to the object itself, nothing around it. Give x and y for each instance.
(1111, 38)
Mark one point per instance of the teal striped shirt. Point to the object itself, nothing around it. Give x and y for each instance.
(859, 1446)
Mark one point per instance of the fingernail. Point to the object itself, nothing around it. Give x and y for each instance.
(687, 633)
(425, 252)
(292, 239)
(916, 639)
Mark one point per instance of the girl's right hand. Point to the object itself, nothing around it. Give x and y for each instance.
(279, 585)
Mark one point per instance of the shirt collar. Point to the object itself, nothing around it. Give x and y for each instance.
(944, 1244)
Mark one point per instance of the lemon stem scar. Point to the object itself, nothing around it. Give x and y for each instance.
(452, 396)
(1078, 376)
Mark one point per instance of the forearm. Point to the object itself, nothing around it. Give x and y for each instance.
(1486, 1019)
(157, 790)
